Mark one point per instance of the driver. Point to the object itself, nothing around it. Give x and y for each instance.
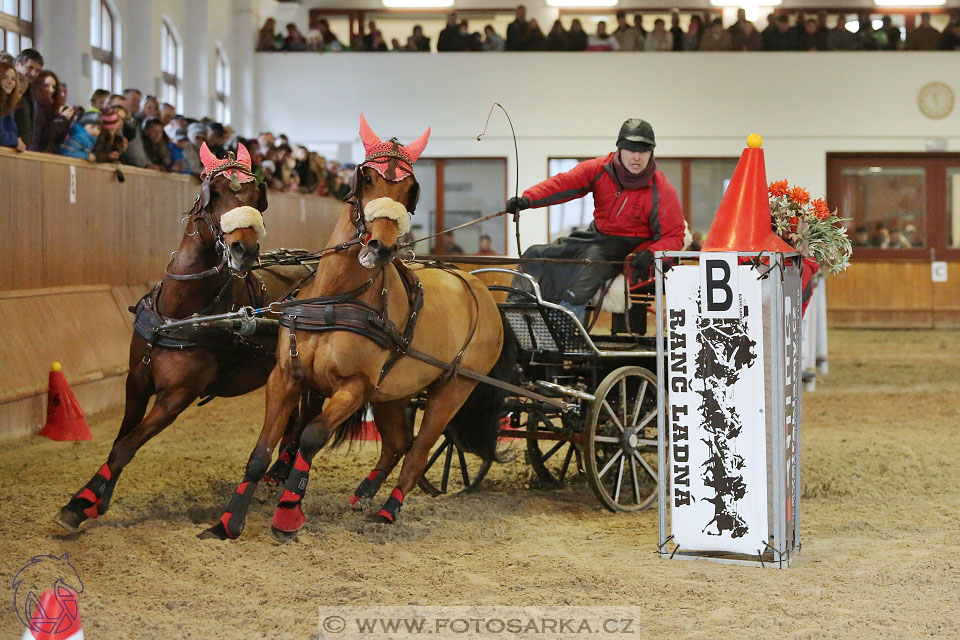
(636, 211)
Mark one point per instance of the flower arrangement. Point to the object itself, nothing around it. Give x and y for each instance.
(809, 226)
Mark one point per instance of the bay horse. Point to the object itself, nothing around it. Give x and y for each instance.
(349, 337)
(208, 274)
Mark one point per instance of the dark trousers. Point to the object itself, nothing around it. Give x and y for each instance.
(576, 283)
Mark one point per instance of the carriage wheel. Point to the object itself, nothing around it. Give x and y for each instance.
(450, 469)
(621, 440)
(554, 461)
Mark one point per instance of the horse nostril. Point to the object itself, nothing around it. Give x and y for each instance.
(374, 245)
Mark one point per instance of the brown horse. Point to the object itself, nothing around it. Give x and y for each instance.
(222, 230)
(347, 341)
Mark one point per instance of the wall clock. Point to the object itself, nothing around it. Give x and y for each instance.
(935, 100)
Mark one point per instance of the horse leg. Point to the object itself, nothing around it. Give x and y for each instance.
(311, 404)
(282, 395)
(443, 402)
(346, 400)
(94, 499)
(395, 438)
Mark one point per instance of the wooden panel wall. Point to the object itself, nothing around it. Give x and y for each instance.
(69, 270)
(894, 295)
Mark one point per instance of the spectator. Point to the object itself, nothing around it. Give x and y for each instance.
(82, 138)
(517, 31)
(29, 64)
(923, 38)
(376, 42)
(894, 42)
(447, 40)
(396, 46)
(265, 139)
(266, 36)
(368, 36)
(110, 144)
(781, 37)
(864, 34)
(691, 39)
(132, 98)
(535, 38)
(12, 88)
(881, 236)
(486, 248)
(152, 142)
(99, 99)
(6, 58)
(951, 37)
(149, 108)
(196, 135)
(417, 41)
(861, 237)
(625, 34)
(445, 244)
(839, 37)
(811, 39)
(295, 41)
(51, 117)
(601, 40)
(716, 39)
(576, 38)
(641, 32)
(328, 39)
(676, 31)
(747, 39)
(659, 39)
(737, 28)
(216, 138)
(492, 40)
(557, 38)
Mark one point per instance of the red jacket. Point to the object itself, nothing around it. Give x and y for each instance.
(618, 212)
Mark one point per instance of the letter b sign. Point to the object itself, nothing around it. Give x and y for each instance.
(719, 286)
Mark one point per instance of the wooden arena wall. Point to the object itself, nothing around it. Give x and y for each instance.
(78, 248)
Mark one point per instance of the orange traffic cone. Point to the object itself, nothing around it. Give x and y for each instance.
(56, 617)
(369, 431)
(65, 419)
(743, 221)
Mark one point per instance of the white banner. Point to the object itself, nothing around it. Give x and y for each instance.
(715, 415)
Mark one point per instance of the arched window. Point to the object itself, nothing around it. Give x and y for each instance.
(16, 25)
(105, 45)
(222, 86)
(171, 64)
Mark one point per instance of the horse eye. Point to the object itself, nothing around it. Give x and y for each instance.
(367, 179)
(214, 194)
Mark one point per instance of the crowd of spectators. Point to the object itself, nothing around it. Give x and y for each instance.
(882, 237)
(704, 33)
(138, 130)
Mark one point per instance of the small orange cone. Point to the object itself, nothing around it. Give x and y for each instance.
(65, 419)
(743, 221)
(56, 617)
(369, 431)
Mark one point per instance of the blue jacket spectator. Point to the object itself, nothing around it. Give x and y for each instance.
(82, 137)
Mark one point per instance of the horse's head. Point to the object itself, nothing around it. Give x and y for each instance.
(385, 193)
(231, 202)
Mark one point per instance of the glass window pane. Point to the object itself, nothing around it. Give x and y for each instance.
(10, 6)
(106, 39)
(471, 190)
(13, 43)
(953, 207)
(424, 222)
(569, 216)
(96, 75)
(95, 23)
(26, 42)
(26, 10)
(708, 182)
(888, 206)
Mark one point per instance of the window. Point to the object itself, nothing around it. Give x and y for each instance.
(700, 184)
(900, 205)
(171, 64)
(222, 86)
(16, 25)
(105, 46)
(455, 191)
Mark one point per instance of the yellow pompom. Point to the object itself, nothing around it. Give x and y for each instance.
(754, 141)
(55, 366)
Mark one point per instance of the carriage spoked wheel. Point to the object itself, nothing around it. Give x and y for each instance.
(554, 461)
(450, 469)
(620, 435)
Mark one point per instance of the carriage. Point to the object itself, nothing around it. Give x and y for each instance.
(596, 415)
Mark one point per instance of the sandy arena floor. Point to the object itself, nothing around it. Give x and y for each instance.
(880, 559)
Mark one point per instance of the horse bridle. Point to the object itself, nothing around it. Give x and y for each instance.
(200, 213)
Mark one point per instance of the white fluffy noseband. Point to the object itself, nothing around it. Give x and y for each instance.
(388, 208)
(242, 218)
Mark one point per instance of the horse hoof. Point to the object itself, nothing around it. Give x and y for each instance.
(216, 532)
(69, 520)
(283, 536)
(380, 519)
(271, 480)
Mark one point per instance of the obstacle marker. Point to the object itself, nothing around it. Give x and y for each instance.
(65, 419)
(369, 431)
(57, 617)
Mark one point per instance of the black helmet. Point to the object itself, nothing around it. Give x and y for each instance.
(636, 135)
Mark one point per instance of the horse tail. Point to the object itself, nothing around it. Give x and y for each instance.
(476, 426)
(349, 430)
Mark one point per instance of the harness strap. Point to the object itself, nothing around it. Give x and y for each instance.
(296, 371)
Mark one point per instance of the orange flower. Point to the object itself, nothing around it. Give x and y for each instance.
(794, 221)
(799, 195)
(820, 209)
(779, 188)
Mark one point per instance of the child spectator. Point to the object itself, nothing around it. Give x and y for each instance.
(493, 41)
(178, 157)
(82, 137)
(99, 99)
(12, 87)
